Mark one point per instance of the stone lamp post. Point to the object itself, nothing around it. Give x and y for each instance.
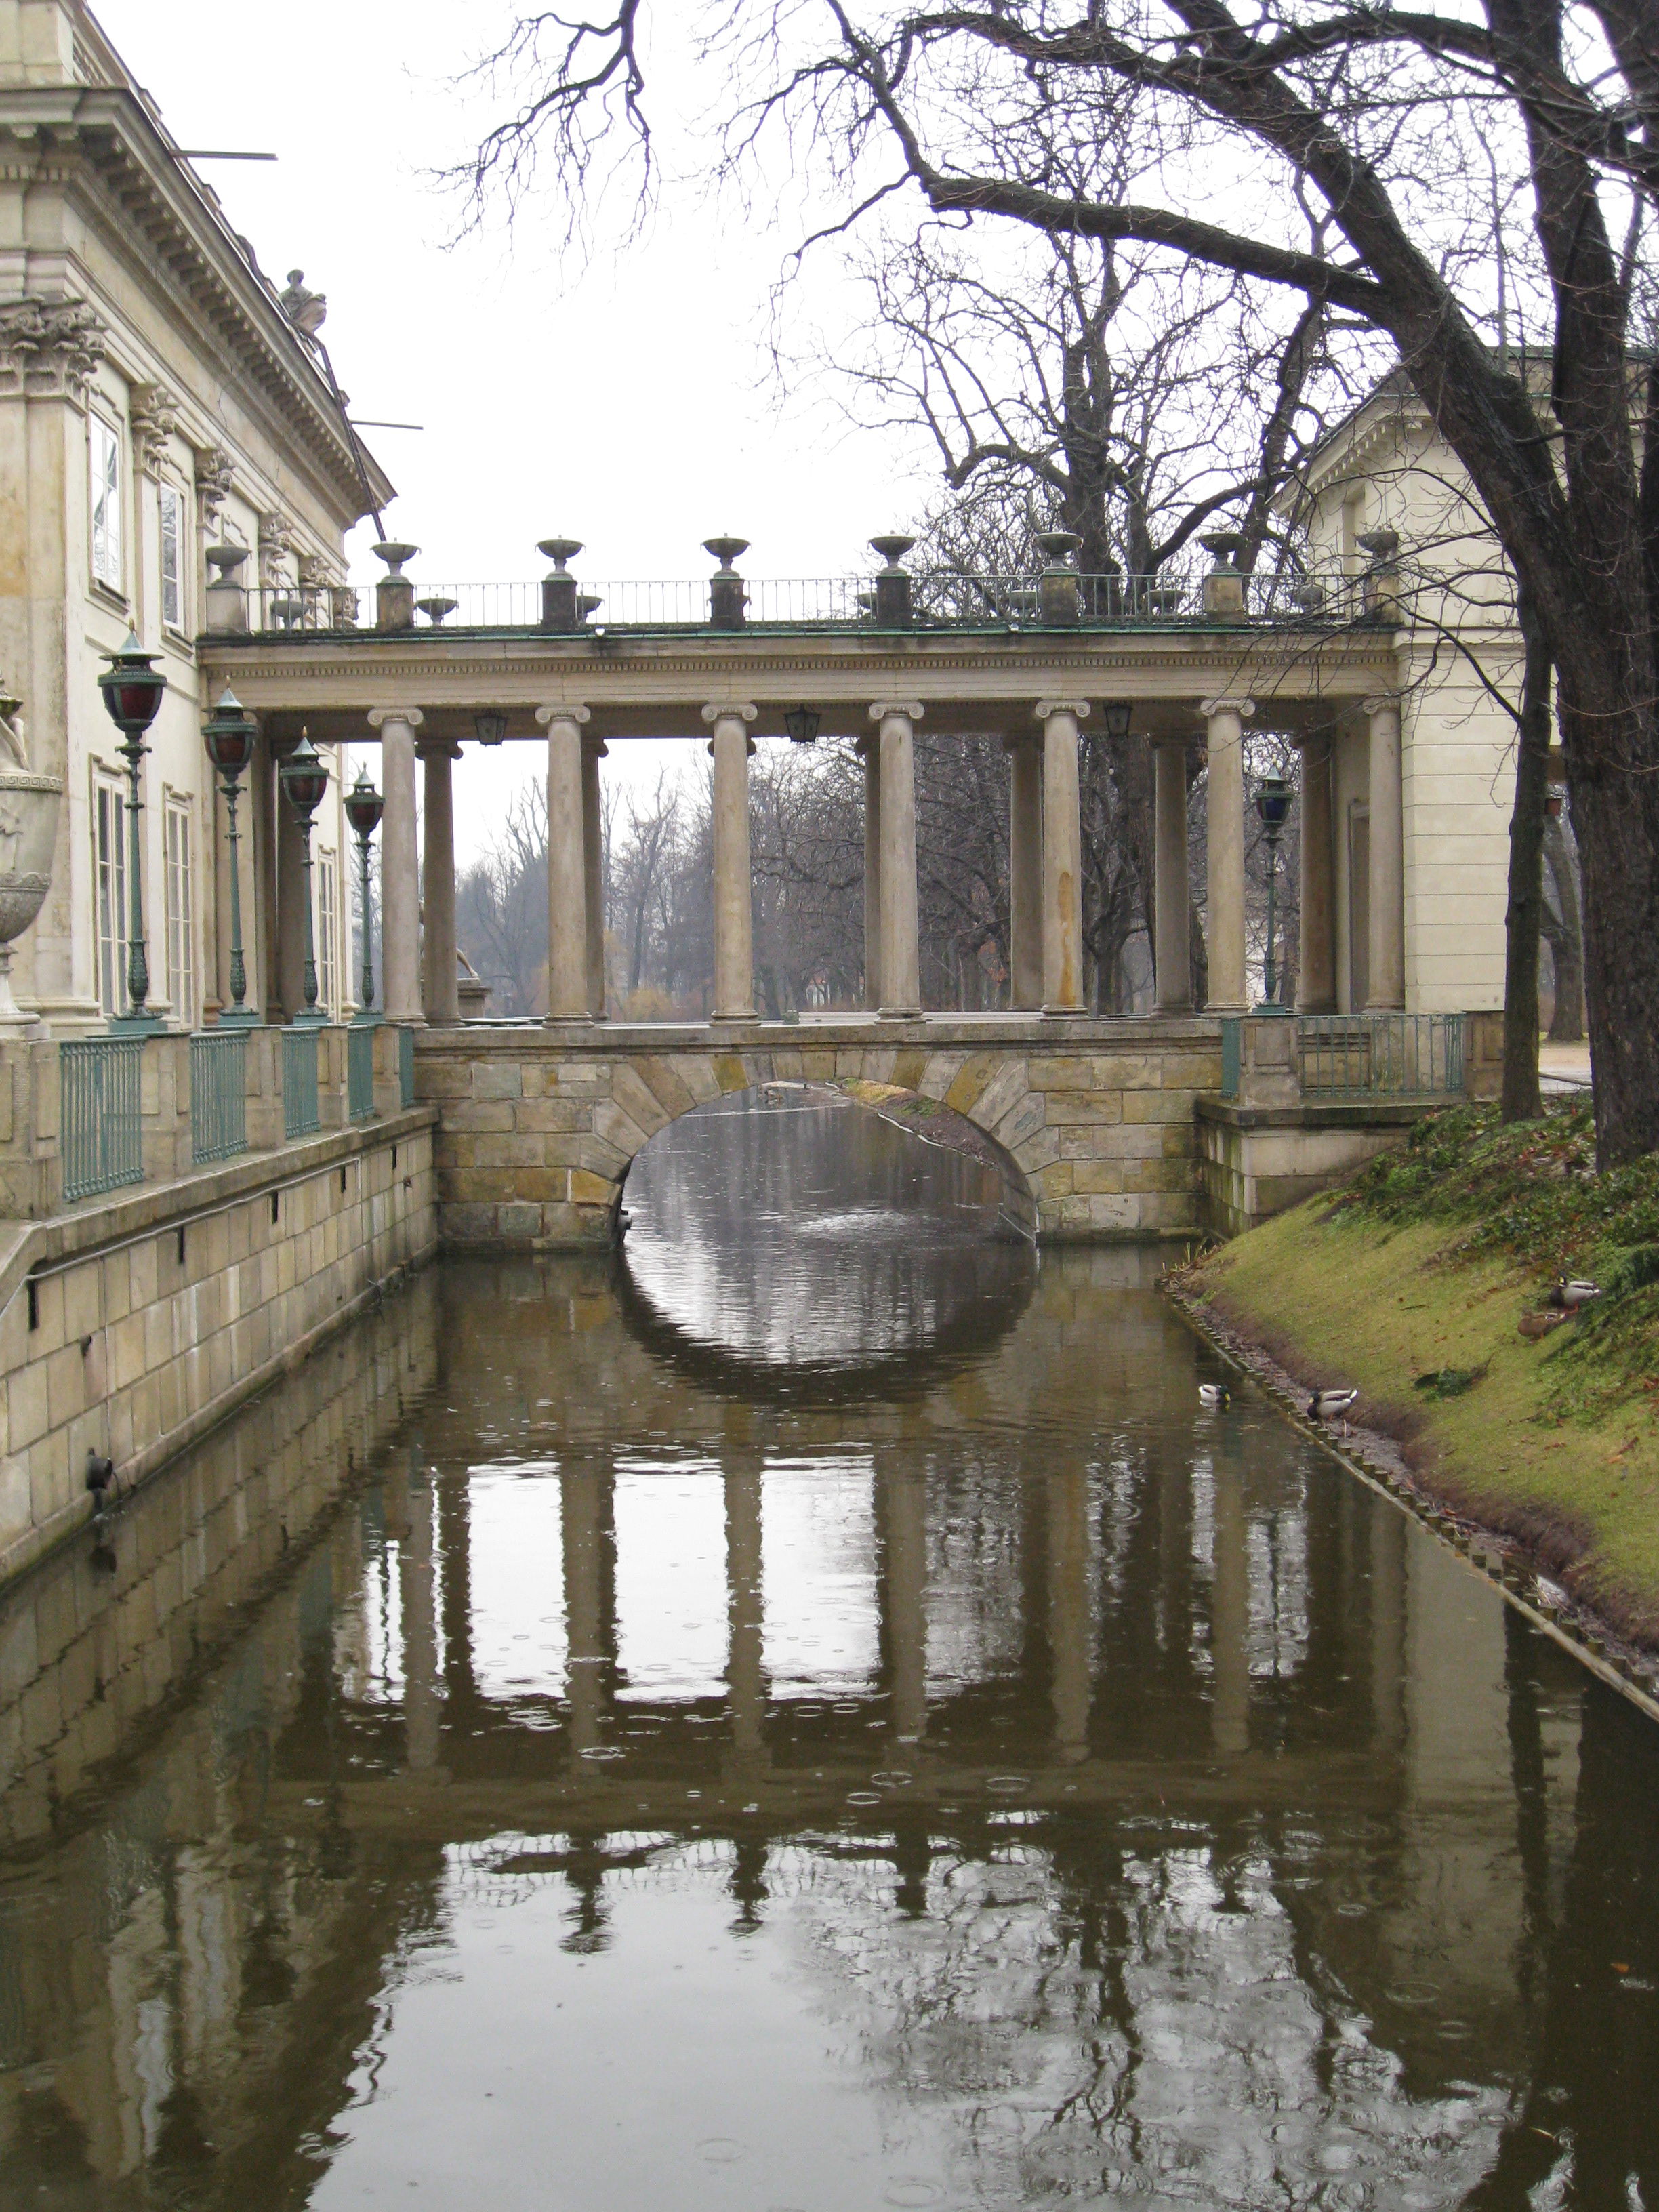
(305, 779)
(229, 735)
(1273, 806)
(132, 687)
(28, 830)
(364, 807)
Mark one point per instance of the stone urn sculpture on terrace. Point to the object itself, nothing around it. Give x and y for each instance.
(29, 832)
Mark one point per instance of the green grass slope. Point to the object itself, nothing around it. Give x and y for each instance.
(1410, 1282)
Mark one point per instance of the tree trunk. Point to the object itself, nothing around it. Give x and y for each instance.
(1566, 940)
(1523, 915)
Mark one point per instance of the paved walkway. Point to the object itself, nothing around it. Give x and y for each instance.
(1563, 1068)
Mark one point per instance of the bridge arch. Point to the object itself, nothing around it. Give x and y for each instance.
(1091, 1125)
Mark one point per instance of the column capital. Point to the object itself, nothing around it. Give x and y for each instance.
(738, 711)
(1383, 703)
(1045, 708)
(546, 714)
(595, 748)
(429, 748)
(1244, 709)
(912, 709)
(412, 717)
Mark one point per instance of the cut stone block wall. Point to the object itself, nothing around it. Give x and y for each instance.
(129, 1328)
(538, 1128)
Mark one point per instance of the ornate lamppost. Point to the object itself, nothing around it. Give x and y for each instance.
(305, 779)
(132, 687)
(364, 807)
(229, 735)
(1272, 805)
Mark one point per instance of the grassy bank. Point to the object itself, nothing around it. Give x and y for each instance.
(1410, 1282)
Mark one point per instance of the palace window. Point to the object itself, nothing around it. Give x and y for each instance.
(328, 931)
(181, 935)
(171, 563)
(107, 547)
(109, 860)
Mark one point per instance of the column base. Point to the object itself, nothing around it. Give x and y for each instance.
(1226, 1006)
(239, 1017)
(1385, 1006)
(567, 1021)
(1178, 1007)
(1065, 1013)
(898, 1013)
(742, 1014)
(1317, 1006)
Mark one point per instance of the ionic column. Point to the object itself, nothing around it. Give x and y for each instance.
(1024, 873)
(1387, 851)
(869, 751)
(291, 909)
(904, 1601)
(400, 898)
(1315, 966)
(745, 1673)
(1225, 837)
(593, 751)
(439, 971)
(1229, 1614)
(417, 1610)
(1172, 904)
(734, 895)
(901, 980)
(588, 1533)
(1062, 857)
(567, 865)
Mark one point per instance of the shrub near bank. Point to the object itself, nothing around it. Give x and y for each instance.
(1410, 1281)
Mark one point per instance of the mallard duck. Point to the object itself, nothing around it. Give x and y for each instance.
(1570, 1292)
(1534, 1325)
(1214, 1393)
(1331, 1405)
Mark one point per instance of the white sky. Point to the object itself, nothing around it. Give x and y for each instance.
(623, 402)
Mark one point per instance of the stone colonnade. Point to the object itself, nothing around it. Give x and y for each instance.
(1045, 865)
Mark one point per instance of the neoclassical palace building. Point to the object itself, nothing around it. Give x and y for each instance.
(175, 462)
(155, 400)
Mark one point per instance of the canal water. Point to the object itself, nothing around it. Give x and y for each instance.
(807, 1715)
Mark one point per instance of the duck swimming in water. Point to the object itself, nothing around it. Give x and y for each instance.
(1214, 1393)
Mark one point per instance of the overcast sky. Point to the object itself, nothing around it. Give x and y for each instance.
(622, 401)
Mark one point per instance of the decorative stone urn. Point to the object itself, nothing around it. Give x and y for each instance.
(28, 831)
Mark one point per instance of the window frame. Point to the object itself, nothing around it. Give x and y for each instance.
(171, 499)
(112, 945)
(113, 531)
(179, 830)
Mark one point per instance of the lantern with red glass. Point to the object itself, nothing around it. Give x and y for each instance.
(304, 776)
(364, 807)
(133, 688)
(229, 735)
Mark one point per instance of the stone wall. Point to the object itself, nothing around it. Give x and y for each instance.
(130, 1327)
(1095, 1119)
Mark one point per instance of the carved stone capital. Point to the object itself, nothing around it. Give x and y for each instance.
(1047, 707)
(216, 473)
(912, 709)
(318, 574)
(1385, 702)
(275, 544)
(152, 411)
(740, 711)
(547, 715)
(1244, 709)
(411, 716)
(48, 349)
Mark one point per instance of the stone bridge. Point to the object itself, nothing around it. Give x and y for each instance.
(1093, 1122)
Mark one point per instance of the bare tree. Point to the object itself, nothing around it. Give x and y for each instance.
(501, 906)
(1372, 118)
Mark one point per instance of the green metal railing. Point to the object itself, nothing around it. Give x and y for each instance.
(360, 1073)
(1381, 1055)
(406, 1067)
(1231, 1047)
(300, 1114)
(218, 1093)
(103, 1132)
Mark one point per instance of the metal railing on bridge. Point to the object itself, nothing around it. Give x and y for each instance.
(300, 1113)
(359, 1071)
(102, 1119)
(939, 599)
(218, 1094)
(1381, 1055)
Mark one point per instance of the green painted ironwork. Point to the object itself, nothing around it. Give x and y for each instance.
(103, 1130)
(1381, 1055)
(300, 1111)
(360, 1073)
(218, 1093)
(1231, 1047)
(406, 1067)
